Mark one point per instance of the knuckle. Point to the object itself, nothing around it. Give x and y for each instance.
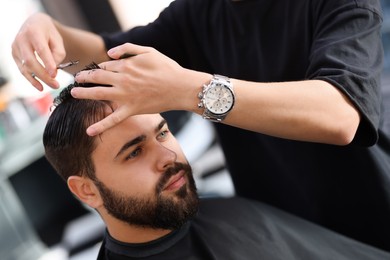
(60, 53)
(93, 75)
(124, 80)
(39, 48)
(27, 62)
(115, 118)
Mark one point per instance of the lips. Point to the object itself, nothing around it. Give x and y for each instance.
(176, 181)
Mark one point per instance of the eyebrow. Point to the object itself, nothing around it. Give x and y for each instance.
(160, 125)
(138, 139)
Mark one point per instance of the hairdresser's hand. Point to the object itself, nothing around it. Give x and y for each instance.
(38, 34)
(145, 83)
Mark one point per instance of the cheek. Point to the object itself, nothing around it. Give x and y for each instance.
(135, 181)
(139, 184)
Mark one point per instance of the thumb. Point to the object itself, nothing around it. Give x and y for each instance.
(110, 121)
(127, 50)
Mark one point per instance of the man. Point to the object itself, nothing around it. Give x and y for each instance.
(306, 132)
(137, 178)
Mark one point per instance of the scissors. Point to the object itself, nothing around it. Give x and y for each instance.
(67, 64)
(71, 63)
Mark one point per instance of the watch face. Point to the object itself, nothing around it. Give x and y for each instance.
(219, 99)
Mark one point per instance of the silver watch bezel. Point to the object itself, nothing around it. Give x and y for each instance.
(214, 82)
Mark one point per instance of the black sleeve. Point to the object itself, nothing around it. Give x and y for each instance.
(347, 52)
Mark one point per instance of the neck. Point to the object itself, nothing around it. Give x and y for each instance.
(126, 233)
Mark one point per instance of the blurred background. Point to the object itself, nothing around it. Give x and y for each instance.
(39, 218)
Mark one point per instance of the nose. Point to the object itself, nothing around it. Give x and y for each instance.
(165, 157)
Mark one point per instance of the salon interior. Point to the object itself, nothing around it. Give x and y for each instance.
(39, 218)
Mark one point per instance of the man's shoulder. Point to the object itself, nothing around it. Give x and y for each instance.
(262, 230)
(249, 213)
(221, 205)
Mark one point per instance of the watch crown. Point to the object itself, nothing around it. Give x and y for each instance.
(200, 105)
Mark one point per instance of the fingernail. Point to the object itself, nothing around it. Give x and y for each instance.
(76, 76)
(111, 52)
(73, 92)
(91, 131)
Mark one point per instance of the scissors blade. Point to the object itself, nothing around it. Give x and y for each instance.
(67, 64)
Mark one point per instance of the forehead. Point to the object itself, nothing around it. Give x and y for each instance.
(130, 128)
(134, 125)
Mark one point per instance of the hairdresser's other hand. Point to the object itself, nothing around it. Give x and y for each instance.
(38, 35)
(148, 82)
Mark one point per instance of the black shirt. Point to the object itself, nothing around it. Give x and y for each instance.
(344, 188)
(234, 229)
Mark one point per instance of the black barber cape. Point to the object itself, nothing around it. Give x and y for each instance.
(237, 228)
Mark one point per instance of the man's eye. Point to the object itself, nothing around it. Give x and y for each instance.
(163, 134)
(133, 154)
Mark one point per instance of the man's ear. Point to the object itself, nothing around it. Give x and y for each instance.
(85, 190)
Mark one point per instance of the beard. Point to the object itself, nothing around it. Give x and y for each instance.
(159, 212)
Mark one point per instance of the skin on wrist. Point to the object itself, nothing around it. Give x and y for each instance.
(193, 82)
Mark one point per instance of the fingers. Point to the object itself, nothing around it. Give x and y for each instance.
(28, 73)
(44, 56)
(102, 93)
(96, 76)
(35, 51)
(127, 50)
(95, 93)
(23, 61)
(42, 64)
(31, 68)
(99, 77)
(111, 120)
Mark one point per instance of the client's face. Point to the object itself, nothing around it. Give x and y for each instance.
(142, 174)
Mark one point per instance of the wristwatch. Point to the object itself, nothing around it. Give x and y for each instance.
(217, 98)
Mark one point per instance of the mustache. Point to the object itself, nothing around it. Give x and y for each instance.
(172, 171)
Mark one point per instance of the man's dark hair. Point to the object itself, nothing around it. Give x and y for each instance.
(68, 148)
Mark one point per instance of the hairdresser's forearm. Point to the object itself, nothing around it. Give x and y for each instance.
(310, 110)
